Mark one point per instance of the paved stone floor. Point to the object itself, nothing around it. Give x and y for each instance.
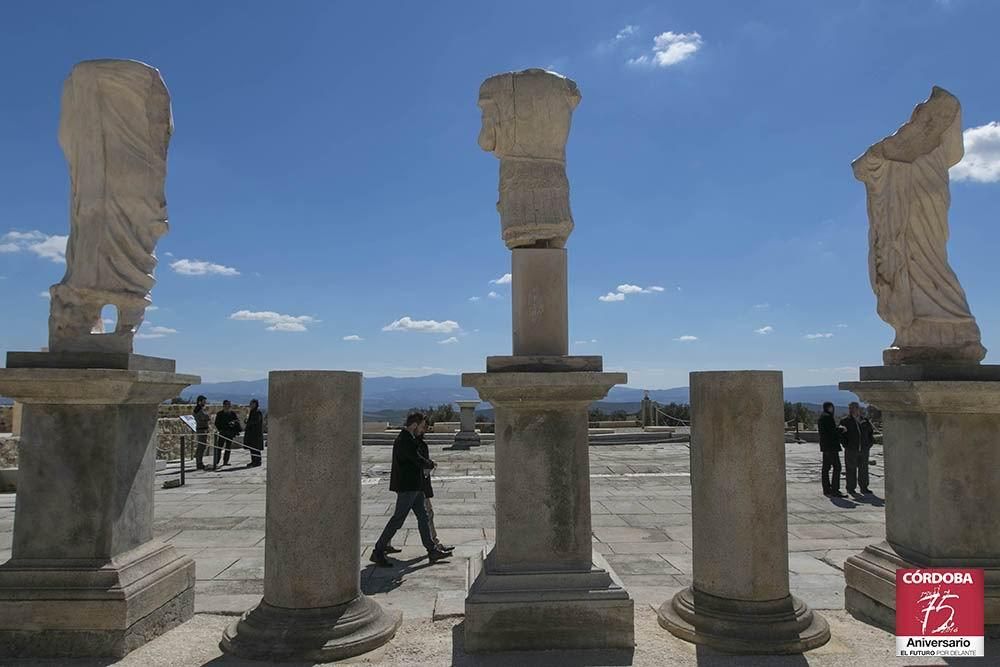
(642, 524)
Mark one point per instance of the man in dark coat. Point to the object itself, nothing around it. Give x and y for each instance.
(407, 479)
(867, 440)
(425, 452)
(829, 444)
(227, 423)
(850, 437)
(253, 436)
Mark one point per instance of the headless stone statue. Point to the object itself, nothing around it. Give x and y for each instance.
(114, 130)
(526, 120)
(906, 178)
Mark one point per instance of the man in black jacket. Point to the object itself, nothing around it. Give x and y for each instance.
(850, 437)
(407, 480)
(227, 423)
(829, 444)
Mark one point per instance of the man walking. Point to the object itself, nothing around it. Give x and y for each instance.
(850, 436)
(428, 490)
(227, 423)
(406, 479)
(829, 444)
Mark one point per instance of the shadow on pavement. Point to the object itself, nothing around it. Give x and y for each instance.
(594, 657)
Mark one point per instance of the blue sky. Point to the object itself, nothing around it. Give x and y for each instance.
(325, 182)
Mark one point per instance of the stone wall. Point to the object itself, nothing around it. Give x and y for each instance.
(6, 418)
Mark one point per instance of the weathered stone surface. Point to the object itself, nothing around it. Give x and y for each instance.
(539, 294)
(540, 363)
(95, 360)
(940, 443)
(936, 372)
(526, 121)
(114, 130)
(740, 600)
(313, 608)
(94, 581)
(540, 587)
(906, 178)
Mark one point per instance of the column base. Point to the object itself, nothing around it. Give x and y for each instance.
(325, 634)
(870, 593)
(784, 626)
(530, 611)
(466, 440)
(79, 608)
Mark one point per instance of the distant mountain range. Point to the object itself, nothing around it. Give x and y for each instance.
(389, 393)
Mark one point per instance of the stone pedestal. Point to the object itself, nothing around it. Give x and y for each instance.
(312, 609)
(540, 311)
(467, 436)
(86, 577)
(541, 587)
(942, 481)
(739, 601)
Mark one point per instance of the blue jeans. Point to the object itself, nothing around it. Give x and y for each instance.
(406, 501)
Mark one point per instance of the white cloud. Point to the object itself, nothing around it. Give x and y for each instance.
(406, 323)
(631, 289)
(816, 336)
(448, 341)
(150, 309)
(353, 338)
(197, 267)
(593, 340)
(168, 254)
(493, 295)
(475, 298)
(45, 295)
(686, 339)
(670, 48)
(763, 331)
(982, 155)
(612, 296)
(45, 246)
(626, 32)
(841, 326)
(579, 342)
(275, 321)
(762, 306)
(655, 288)
(148, 331)
(505, 279)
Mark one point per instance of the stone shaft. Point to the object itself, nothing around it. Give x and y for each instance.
(313, 519)
(313, 609)
(738, 511)
(539, 293)
(542, 489)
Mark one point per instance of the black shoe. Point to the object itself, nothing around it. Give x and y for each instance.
(435, 555)
(444, 547)
(380, 559)
(838, 494)
(392, 550)
(867, 492)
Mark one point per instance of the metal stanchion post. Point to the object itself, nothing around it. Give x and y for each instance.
(183, 460)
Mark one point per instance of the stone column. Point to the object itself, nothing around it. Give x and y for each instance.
(467, 436)
(538, 293)
(86, 577)
(542, 587)
(940, 425)
(739, 601)
(312, 609)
